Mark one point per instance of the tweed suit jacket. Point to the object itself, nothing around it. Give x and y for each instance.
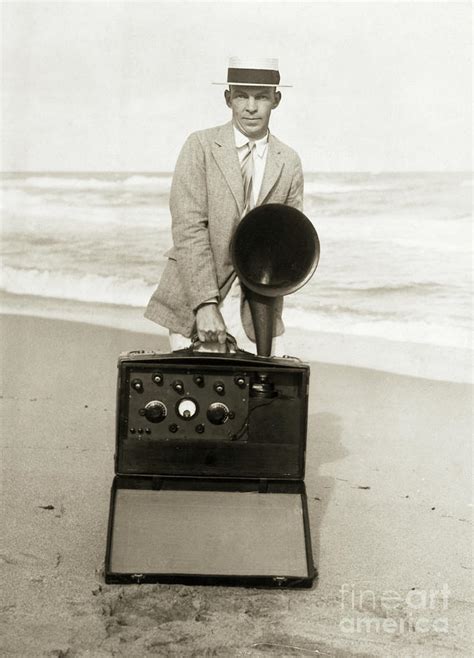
(206, 204)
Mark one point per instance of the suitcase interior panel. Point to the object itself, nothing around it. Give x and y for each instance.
(208, 532)
(211, 419)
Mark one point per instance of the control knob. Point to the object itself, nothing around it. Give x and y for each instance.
(218, 413)
(178, 386)
(137, 385)
(155, 411)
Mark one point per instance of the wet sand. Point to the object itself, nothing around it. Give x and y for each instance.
(388, 476)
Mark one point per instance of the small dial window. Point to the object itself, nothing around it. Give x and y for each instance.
(187, 408)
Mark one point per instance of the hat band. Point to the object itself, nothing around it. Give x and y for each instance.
(253, 76)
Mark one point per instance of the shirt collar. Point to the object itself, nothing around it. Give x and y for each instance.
(242, 140)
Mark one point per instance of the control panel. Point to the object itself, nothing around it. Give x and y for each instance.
(164, 404)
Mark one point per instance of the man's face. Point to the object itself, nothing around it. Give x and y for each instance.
(251, 108)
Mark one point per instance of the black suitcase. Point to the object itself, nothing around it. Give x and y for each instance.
(209, 462)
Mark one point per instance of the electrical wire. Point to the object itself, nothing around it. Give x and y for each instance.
(236, 436)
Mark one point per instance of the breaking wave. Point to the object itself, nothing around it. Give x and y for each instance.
(83, 288)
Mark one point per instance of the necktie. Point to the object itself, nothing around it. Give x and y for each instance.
(246, 167)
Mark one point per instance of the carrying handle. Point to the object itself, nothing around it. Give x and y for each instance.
(230, 344)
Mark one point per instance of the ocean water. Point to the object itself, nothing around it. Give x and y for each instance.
(396, 249)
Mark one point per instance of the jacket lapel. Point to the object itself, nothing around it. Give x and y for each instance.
(273, 169)
(227, 160)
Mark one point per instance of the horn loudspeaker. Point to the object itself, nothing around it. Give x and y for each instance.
(275, 251)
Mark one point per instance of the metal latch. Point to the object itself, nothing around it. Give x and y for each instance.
(137, 577)
(280, 580)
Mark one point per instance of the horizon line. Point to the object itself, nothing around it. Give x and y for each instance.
(170, 173)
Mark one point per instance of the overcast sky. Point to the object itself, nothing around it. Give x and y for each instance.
(112, 86)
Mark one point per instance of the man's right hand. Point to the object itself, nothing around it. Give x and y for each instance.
(210, 324)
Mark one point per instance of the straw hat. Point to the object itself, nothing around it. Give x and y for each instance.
(253, 72)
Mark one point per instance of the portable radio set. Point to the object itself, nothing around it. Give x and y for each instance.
(210, 448)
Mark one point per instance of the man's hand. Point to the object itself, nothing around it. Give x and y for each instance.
(210, 324)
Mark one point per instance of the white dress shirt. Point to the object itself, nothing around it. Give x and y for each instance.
(259, 159)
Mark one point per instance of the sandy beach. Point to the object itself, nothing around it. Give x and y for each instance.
(388, 476)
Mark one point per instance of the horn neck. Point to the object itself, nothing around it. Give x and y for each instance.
(262, 310)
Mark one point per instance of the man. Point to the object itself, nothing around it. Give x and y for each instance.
(221, 174)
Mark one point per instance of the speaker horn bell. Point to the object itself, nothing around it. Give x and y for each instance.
(275, 251)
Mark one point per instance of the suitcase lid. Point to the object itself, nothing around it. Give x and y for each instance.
(211, 415)
(209, 531)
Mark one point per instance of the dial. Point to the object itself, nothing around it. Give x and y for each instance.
(155, 411)
(218, 413)
(186, 408)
